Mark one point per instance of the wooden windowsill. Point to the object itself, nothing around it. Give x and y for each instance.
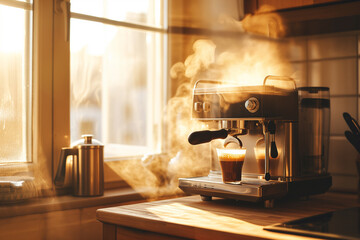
(58, 203)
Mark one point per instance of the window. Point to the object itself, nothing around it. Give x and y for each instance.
(15, 78)
(116, 53)
(117, 64)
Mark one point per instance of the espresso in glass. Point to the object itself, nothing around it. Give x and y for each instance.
(231, 163)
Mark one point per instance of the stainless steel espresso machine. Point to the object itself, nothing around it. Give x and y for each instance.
(284, 129)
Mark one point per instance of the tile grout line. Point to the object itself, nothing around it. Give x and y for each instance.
(307, 61)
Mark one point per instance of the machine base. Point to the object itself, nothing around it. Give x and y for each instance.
(254, 190)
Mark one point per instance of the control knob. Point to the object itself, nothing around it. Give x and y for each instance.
(252, 105)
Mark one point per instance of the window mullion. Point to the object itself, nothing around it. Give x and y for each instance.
(61, 78)
(42, 89)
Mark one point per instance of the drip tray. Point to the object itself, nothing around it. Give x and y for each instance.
(251, 189)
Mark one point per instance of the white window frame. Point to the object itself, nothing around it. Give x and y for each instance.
(40, 144)
(22, 166)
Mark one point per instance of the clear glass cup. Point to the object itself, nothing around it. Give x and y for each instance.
(231, 163)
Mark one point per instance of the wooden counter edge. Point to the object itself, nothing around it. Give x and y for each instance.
(184, 231)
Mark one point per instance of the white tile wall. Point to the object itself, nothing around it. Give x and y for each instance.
(299, 74)
(332, 47)
(338, 74)
(338, 105)
(294, 49)
(342, 157)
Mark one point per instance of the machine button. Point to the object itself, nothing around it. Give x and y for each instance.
(198, 106)
(252, 105)
(206, 106)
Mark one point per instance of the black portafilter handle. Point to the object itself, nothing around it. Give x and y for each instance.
(206, 136)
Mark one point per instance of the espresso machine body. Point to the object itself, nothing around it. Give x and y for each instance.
(266, 120)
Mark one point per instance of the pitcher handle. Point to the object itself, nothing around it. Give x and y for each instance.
(60, 173)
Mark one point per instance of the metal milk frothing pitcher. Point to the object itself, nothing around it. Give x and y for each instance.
(87, 167)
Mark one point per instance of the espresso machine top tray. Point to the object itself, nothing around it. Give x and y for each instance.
(251, 189)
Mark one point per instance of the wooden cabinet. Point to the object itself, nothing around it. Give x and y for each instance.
(305, 17)
(252, 6)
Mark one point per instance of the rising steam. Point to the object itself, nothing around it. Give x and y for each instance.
(245, 59)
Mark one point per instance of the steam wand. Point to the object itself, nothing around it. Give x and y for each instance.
(273, 148)
(267, 160)
(270, 146)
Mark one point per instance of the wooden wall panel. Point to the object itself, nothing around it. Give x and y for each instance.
(31, 227)
(74, 224)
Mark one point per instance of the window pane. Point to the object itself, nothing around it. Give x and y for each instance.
(15, 55)
(113, 74)
(146, 12)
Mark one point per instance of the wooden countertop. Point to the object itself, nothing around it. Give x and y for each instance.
(189, 217)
